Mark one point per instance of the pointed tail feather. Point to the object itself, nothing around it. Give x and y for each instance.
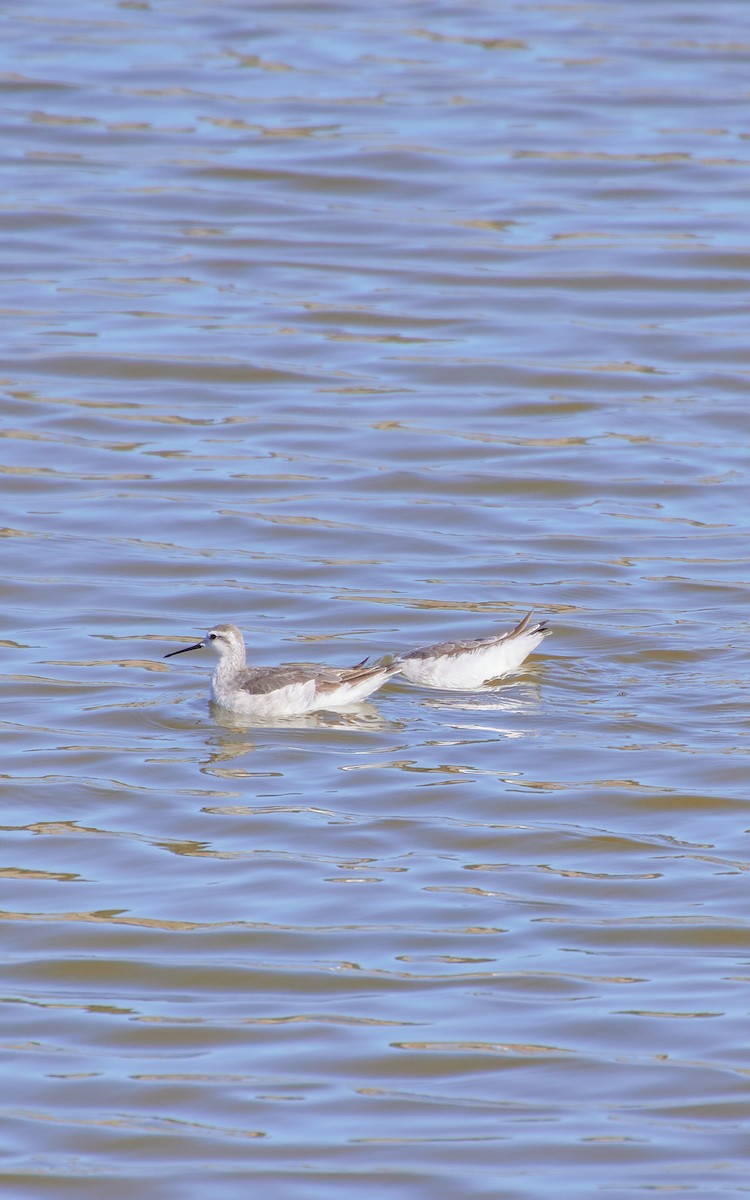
(522, 626)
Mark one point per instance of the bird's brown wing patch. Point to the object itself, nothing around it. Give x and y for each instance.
(331, 678)
(452, 649)
(259, 681)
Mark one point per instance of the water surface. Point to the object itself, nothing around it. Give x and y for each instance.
(367, 326)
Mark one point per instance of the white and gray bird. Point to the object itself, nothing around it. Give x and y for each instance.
(472, 664)
(269, 692)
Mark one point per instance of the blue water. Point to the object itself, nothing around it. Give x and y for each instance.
(366, 327)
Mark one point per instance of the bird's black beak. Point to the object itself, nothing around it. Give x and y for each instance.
(184, 649)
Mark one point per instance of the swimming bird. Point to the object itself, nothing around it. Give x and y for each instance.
(281, 691)
(473, 663)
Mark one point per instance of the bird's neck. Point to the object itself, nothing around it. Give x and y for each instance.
(228, 665)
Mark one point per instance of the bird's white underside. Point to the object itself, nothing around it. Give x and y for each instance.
(472, 667)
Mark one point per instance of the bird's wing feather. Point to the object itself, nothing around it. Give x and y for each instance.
(452, 649)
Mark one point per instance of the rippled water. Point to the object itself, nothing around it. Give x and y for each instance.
(366, 326)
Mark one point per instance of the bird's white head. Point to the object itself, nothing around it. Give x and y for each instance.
(226, 641)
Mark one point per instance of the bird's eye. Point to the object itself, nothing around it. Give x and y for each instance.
(212, 637)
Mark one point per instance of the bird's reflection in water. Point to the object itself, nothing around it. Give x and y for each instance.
(516, 698)
(489, 709)
(235, 738)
